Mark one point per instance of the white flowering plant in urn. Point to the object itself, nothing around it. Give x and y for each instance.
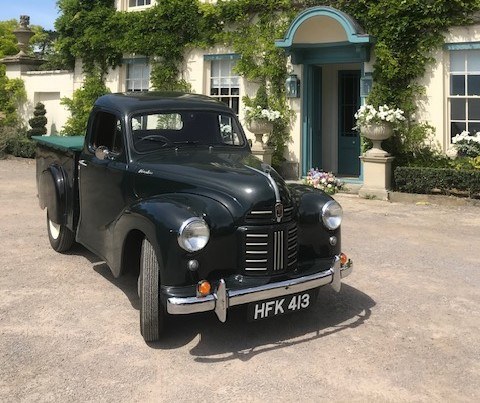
(259, 117)
(377, 125)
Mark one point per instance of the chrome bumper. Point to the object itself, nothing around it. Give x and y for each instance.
(222, 298)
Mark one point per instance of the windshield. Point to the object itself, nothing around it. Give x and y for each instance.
(153, 131)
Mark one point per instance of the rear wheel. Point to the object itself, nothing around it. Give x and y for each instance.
(152, 314)
(60, 237)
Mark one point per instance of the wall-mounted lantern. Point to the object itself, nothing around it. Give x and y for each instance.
(292, 86)
(366, 83)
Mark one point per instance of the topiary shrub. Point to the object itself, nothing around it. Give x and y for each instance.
(38, 122)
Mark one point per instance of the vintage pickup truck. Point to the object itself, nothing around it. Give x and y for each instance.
(165, 185)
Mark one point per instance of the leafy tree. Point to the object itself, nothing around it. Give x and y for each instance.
(38, 122)
(8, 42)
(80, 105)
(89, 30)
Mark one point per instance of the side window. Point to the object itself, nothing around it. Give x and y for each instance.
(230, 134)
(107, 132)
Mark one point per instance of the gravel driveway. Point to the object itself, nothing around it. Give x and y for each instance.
(405, 325)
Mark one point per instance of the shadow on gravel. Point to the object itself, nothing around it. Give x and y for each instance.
(238, 339)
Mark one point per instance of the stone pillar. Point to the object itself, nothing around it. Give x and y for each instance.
(377, 174)
(261, 150)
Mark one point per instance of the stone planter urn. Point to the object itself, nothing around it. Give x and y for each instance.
(377, 132)
(259, 127)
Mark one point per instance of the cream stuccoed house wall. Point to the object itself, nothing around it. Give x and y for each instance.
(320, 31)
(435, 107)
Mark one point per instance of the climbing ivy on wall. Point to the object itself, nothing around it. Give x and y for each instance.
(406, 32)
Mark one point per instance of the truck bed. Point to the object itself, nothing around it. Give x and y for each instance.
(59, 155)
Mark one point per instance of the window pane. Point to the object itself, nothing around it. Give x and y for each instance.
(235, 104)
(473, 85)
(458, 110)
(474, 127)
(457, 85)
(473, 60)
(457, 61)
(457, 128)
(474, 109)
(215, 68)
(214, 91)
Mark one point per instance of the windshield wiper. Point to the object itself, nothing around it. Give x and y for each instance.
(157, 138)
(187, 142)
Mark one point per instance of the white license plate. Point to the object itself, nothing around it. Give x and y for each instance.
(280, 306)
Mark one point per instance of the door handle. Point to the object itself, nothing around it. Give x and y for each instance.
(82, 163)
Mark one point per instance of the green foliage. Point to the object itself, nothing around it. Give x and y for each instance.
(6, 133)
(91, 31)
(12, 94)
(435, 180)
(20, 145)
(81, 104)
(38, 122)
(8, 42)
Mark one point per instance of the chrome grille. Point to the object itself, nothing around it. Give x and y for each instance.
(270, 250)
(292, 247)
(256, 252)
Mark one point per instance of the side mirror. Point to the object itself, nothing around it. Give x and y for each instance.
(102, 153)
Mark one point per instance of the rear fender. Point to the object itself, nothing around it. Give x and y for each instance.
(53, 193)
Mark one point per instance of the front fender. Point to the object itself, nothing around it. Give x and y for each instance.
(159, 219)
(313, 236)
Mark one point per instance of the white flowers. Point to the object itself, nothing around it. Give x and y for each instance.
(466, 145)
(367, 114)
(261, 113)
(465, 136)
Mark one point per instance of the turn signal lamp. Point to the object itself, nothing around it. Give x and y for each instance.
(343, 258)
(203, 288)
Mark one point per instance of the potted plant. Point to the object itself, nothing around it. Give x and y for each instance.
(377, 125)
(259, 117)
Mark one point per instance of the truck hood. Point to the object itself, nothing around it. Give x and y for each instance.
(237, 179)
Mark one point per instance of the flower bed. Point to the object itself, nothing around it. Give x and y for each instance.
(325, 181)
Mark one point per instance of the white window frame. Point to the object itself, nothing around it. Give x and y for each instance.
(229, 91)
(131, 84)
(464, 50)
(146, 3)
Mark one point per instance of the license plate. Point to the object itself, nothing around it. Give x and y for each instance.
(279, 306)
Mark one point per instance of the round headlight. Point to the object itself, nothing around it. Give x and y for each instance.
(194, 234)
(332, 214)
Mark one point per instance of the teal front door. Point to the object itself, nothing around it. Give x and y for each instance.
(348, 138)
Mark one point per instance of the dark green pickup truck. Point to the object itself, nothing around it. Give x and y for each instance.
(165, 185)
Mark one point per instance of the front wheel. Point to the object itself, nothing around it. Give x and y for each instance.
(60, 237)
(151, 311)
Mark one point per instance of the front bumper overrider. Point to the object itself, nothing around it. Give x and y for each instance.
(222, 298)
